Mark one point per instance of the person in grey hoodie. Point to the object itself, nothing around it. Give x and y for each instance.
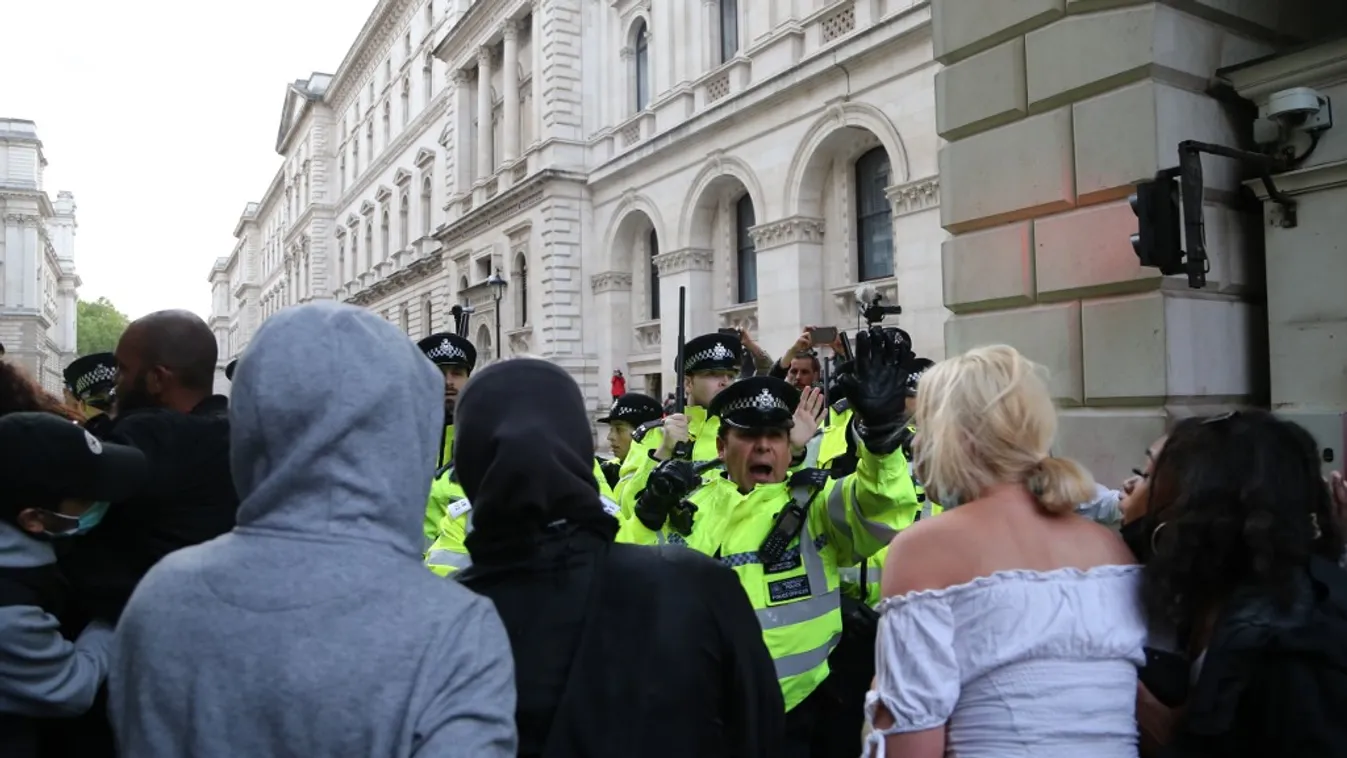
(312, 629)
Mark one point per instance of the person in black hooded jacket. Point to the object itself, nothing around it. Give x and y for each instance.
(619, 649)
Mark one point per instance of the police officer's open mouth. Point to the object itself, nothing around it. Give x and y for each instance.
(761, 469)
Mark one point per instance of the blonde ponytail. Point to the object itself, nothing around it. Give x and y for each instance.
(1059, 484)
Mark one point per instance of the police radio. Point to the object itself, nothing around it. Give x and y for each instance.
(789, 523)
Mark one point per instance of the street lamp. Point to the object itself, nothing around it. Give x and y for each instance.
(497, 284)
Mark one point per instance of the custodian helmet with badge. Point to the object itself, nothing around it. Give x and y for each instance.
(918, 367)
(758, 402)
(92, 378)
(712, 352)
(635, 409)
(446, 349)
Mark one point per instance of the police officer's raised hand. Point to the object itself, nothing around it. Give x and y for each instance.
(882, 367)
(675, 431)
(807, 416)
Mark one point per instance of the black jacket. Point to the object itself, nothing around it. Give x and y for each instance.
(190, 499)
(1274, 679)
(666, 661)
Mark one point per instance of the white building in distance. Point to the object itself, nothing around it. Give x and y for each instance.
(38, 284)
(765, 155)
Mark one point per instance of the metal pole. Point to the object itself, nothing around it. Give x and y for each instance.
(497, 327)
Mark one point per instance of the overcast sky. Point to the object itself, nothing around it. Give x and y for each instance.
(161, 117)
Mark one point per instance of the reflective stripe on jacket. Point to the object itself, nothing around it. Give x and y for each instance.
(797, 597)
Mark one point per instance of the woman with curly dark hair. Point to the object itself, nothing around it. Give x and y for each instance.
(20, 393)
(1240, 549)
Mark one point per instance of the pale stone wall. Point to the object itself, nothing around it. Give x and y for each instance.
(1053, 109)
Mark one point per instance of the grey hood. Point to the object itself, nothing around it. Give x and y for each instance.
(19, 550)
(335, 420)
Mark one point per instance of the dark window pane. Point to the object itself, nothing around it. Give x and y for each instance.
(874, 221)
(642, 67)
(729, 29)
(654, 276)
(746, 257)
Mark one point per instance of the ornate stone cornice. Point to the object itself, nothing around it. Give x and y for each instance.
(914, 197)
(23, 219)
(373, 42)
(418, 271)
(610, 281)
(787, 231)
(687, 259)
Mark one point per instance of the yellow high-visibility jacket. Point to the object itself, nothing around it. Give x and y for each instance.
(640, 461)
(447, 552)
(797, 597)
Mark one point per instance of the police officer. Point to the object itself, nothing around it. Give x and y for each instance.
(628, 412)
(785, 535)
(92, 380)
(710, 364)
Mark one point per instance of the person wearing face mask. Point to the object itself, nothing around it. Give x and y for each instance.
(57, 482)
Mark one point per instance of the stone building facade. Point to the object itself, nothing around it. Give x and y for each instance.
(38, 284)
(765, 155)
(1052, 110)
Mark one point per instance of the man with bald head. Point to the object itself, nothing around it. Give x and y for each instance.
(166, 360)
(166, 409)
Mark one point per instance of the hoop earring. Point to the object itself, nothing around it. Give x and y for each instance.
(1162, 525)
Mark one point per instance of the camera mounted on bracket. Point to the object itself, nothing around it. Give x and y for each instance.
(868, 299)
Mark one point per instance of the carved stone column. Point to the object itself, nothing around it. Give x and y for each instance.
(461, 179)
(612, 303)
(916, 233)
(790, 264)
(691, 268)
(484, 167)
(510, 73)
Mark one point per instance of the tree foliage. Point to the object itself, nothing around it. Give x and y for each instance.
(98, 326)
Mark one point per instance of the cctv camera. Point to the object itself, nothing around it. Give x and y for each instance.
(1300, 106)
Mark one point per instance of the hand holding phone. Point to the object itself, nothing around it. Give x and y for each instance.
(823, 335)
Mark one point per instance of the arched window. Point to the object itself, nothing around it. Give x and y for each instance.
(369, 246)
(746, 256)
(428, 80)
(388, 122)
(383, 236)
(729, 29)
(369, 139)
(653, 244)
(355, 254)
(483, 344)
(404, 223)
(521, 291)
(874, 217)
(642, 67)
(462, 284)
(430, 14)
(406, 101)
(342, 170)
(341, 260)
(428, 317)
(425, 207)
(405, 320)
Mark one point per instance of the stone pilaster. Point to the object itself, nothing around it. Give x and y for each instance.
(789, 252)
(691, 268)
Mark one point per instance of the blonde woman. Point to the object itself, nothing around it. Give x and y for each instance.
(1011, 625)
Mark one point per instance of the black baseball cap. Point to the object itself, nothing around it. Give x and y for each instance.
(48, 458)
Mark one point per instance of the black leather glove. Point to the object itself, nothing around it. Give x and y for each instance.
(883, 364)
(669, 483)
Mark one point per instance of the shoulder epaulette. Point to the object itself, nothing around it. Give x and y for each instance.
(641, 430)
(814, 478)
(439, 472)
(842, 406)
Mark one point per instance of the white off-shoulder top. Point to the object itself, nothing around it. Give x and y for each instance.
(1016, 664)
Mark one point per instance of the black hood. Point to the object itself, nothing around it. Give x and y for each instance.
(524, 454)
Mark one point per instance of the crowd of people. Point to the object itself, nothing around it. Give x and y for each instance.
(375, 548)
